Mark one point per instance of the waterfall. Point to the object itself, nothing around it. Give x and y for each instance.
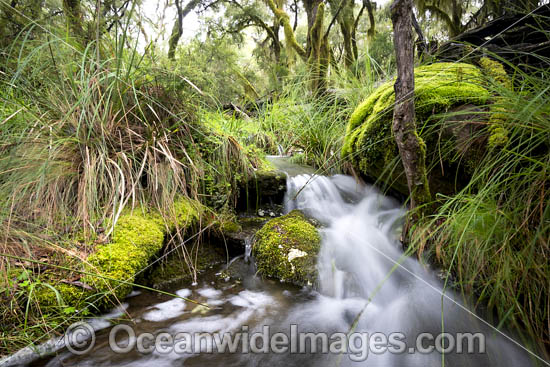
(366, 286)
(366, 279)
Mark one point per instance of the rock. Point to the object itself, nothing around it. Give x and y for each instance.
(454, 145)
(233, 235)
(174, 269)
(266, 186)
(286, 248)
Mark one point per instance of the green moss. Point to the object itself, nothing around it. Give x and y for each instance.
(498, 133)
(286, 248)
(495, 70)
(136, 238)
(369, 143)
(185, 213)
(496, 75)
(66, 295)
(139, 234)
(230, 227)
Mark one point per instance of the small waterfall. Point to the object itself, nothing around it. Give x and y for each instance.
(280, 150)
(361, 267)
(367, 285)
(247, 247)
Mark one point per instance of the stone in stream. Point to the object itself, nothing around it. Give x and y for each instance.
(286, 248)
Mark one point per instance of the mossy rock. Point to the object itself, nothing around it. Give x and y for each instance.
(266, 186)
(137, 237)
(233, 232)
(443, 87)
(286, 248)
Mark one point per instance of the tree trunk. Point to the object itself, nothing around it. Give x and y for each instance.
(343, 11)
(177, 30)
(372, 22)
(421, 45)
(311, 7)
(318, 56)
(316, 53)
(290, 38)
(411, 147)
(354, 31)
(74, 18)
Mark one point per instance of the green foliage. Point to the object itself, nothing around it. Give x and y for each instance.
(88, 139)
(111, 271)
(87, 135)
(212, 70)
(286, 248)
(492, 236)
(97, 131)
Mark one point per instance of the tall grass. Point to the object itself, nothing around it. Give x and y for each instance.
(84, 133)
(312, 128)
(82, 139)
(493, 237)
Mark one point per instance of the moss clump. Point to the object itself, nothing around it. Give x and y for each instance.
(136, 238)
(495, 70)
(286, 248)
(230, 227)
(226, 223)
(498, 133)
(496, 74)
(369, 143)
(138, 235)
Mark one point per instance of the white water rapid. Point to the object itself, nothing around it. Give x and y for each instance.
(366, 280)
(367, 288)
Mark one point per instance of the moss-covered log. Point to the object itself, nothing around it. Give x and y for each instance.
(110, 271)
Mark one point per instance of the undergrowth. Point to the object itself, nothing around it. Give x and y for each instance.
(85, 134)
(493, 236)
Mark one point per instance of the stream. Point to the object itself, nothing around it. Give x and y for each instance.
(368, 289)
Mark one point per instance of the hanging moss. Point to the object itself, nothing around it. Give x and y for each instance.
(439, 88)
(286, 248)
(496, 74)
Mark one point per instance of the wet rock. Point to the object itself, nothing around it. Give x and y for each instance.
(234, 235)
(175, 268)
(266, 187)
(286, 248)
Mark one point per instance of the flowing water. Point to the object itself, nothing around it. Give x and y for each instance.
(367, 286)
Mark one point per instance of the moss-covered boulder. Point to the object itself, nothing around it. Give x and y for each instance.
(453, 144)
(286, 248)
